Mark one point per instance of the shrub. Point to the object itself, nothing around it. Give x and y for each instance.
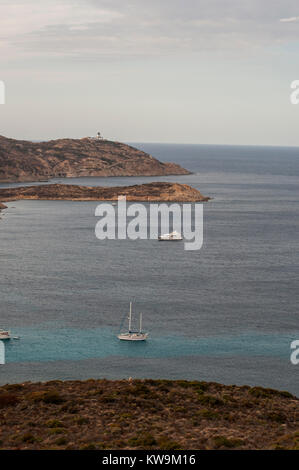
(194, 384)
(28, 437)
(126, 416)
(8, 399)
(61, 441)
(94, 392)
(90, 446)
(276, 417)
(222, 441)
(82, 420)
(109, 398)
(164, 443)
(140, 388)
(142, 440)
(260, 392)
(209, 400)
(208, 414)
(57, 431)
(13, 387)
(70, 407)
(54, 423)
(137, 390)
(50, 396)
(288, 442)
(199, 386)
(115, 429)
(183, 383)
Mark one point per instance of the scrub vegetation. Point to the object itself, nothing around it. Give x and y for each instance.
(146, 414)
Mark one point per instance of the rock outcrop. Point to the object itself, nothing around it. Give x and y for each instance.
(22, 160)
(143, 192)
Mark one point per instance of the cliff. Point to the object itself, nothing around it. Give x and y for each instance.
(22, 160)
(143, 192)
(146, 414)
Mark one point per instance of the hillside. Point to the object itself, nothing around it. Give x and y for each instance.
(22, 160)
(143, 192)
(146, 414)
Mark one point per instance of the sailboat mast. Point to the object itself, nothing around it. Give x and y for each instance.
(130, 317)
(140, 329)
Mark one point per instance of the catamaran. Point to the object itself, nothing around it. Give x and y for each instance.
(132, 335)
(4, 334)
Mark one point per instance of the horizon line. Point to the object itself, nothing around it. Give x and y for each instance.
(130, 142)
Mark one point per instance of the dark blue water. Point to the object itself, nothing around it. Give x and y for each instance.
(226, 313)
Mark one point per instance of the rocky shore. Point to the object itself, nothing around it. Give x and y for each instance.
(145, 192)
(146, 414)
(22, 160)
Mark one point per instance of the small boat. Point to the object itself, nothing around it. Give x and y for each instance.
(173, 237)
(4, 334)
(132, 335)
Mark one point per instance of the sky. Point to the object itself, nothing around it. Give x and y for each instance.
(191, 71)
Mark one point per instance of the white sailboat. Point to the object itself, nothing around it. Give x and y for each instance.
(131, 335)
(4, 334)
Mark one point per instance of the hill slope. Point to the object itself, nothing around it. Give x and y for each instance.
(146, 414)
(22, 160)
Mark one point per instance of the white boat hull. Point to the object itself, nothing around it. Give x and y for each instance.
(170, 239)
(133, 336)
(5, 335)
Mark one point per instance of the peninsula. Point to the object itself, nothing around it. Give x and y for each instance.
(22, 160)
(158, 191)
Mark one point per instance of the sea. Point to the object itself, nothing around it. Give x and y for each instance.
(226, 313)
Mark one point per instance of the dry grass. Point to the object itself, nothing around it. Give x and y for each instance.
(146, 414)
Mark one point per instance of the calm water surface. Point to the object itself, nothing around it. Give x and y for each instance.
(226, 313)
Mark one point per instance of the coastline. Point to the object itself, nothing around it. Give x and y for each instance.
(150, 192)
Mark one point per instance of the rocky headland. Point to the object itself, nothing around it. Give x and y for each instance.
(144, 192)
(22, 160)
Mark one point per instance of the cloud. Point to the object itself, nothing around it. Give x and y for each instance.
(289, 20)
(90, 29)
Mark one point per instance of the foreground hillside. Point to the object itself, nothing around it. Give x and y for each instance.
(22, 160)
(146, 414)
(142, 192)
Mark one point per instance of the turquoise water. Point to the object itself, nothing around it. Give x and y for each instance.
(73, 344)
(226, 313)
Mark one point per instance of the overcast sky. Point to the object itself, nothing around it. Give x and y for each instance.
(191, 71)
